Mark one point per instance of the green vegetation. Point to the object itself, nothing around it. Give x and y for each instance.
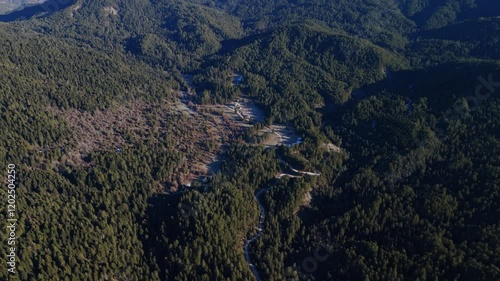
(278, 67)
(411, 194)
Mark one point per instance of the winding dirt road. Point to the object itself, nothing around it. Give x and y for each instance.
(257, 235)
(261, 224)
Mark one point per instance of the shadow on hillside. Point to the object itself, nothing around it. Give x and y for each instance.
(454, 79)
(162, 229)
(44, 9)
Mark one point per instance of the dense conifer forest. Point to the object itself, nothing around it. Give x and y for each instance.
(127, 167)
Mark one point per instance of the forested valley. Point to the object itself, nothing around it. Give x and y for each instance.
(130, 166)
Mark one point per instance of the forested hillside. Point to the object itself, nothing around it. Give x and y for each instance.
(371, 150)
(281, 65)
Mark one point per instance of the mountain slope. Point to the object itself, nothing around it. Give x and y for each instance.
(394, 102)
(277, 67)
